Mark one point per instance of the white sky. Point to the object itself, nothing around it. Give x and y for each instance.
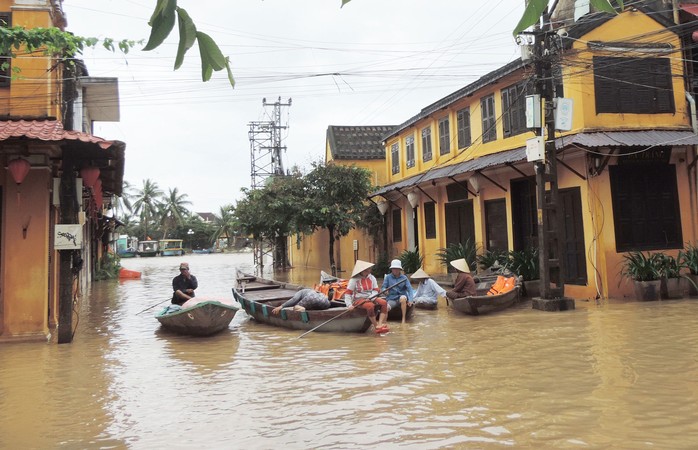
(394, 57)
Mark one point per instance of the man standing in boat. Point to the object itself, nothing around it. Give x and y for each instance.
(183, 285)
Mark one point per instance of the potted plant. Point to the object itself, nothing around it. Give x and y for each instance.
(689, 259)
(670, 271)
(644, 270)
(493, 258)
(526, 263)
(467, 250)
(411, 260)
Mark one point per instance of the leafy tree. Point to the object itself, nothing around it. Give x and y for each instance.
(225, 224)
(173, 210)
(536, 8)
(272, 212)
(336, 200)
(146, 203)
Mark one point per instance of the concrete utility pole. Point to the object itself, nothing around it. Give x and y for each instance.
(551, 232)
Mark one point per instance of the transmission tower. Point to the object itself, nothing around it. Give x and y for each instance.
(265, 144)
(266, 161)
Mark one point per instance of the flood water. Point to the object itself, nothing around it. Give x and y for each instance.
(612, 375)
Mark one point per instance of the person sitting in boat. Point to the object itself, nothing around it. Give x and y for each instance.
(305, 299)
(428, 290)
(183, 285)
(362, 292)
(465, 284)
(401, 293)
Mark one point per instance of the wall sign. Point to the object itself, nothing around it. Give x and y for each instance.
(67, 237)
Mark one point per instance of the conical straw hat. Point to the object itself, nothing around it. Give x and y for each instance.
(461, 265)
(420, 275)
(360, 266)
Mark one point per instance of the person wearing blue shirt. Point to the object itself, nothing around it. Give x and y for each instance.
(400, 294)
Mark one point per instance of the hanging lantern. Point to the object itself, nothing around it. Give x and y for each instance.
(475, 182)
(413, 198)
(19, 168)
(89, 176)
(382, 207)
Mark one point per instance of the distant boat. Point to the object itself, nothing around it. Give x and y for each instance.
(171, 247)
(127, 253)
(147, 248)
(198, 317)
(202, 250)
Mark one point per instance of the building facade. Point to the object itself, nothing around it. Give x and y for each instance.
(626, 169)
(57, 181)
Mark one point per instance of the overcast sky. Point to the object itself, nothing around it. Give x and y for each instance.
(372, 62)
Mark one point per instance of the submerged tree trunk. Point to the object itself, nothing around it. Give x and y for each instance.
(280, 252)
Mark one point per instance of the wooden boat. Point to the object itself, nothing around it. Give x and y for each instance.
(203, 251)
(147, 248)
(428, 306)
(129, 274)
(199, 317)
(127, 253)
(483, 303)
(171, 247)
(259, 296)
(396, 313)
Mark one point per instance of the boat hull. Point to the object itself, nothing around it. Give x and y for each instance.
(258, 297)
(484, 304)
(396, 313)
(179, 252)
(203, 319)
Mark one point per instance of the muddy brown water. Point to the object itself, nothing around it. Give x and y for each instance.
(608, 375)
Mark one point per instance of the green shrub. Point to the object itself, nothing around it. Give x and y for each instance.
(467, 250)
(689, 258)
(411, 261)
(108, 267)
(487, 259)
(525, 263)
(640, 267)
(381, 267)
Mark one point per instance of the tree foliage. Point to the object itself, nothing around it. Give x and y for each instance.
(535, 9)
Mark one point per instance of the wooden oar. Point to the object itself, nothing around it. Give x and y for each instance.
(151, 307)
(344, 312)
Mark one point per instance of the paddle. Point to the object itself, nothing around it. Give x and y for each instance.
(151, 307)
(344, 312)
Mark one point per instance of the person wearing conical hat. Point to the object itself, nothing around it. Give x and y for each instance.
(464, 285)
(428, 290)
(400, 292)
(362, 292)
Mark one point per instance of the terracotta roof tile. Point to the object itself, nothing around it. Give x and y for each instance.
(47, 130)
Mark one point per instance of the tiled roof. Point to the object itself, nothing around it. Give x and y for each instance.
(357, 142)
(640, 138)
(78, 145)
(207, 216)
(47, 130)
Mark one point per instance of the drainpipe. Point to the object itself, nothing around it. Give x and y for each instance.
(692, 106)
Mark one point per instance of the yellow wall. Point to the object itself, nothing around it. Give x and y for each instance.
(35, 91)
(24, 269)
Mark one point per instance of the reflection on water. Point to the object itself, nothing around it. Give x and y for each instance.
(614, 375)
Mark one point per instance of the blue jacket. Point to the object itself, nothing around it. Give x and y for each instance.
(403, 288)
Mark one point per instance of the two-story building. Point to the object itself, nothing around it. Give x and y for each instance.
(57, 180)
(458, 170)
(359, 146)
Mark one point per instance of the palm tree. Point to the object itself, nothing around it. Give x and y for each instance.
(225, 224)
(173, 210)
(122, 205)
(146, 203)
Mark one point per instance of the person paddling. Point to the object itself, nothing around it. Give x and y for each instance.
(362, 292)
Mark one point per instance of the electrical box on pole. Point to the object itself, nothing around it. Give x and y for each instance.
(533, 111)
(564, 109)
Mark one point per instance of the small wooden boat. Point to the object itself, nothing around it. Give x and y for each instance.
(483, 303)
(171, 247)
(129, 274)
(203, 251)
(428, 306)
(199, 317)
(396, 313)
(259, 296)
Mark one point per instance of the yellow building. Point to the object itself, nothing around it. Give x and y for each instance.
(626, 169)
(56, 184)
(359, 146)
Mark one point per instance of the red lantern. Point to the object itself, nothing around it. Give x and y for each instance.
(19, 168)
(97, 192)
(89, 176)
